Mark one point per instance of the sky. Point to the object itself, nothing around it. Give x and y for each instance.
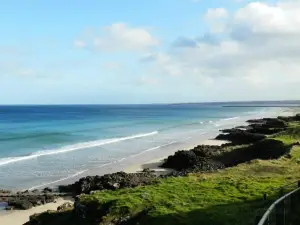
(150, 51)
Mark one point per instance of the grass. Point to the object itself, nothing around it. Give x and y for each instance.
(233, 196)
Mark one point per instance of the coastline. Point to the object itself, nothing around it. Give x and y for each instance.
(21, 217)
(155, 164)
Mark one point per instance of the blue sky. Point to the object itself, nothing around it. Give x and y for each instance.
(158, 51)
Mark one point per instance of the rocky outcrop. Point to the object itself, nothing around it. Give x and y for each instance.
(187, 162)
(290, 118)
(109, 182)
(207, 150)
(65, 206)
(254, 132)
(27, 201)
(237, 136)
(265, 149)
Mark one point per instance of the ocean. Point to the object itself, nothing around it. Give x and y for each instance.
(49, 145)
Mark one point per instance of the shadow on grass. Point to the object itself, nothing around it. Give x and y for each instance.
(228, 214)
(265, 149)
(238, 213)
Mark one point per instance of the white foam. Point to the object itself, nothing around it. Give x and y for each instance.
(106, 164)
(231, 118)
(69, 148)
(53, 182)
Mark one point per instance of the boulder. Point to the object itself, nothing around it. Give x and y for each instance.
(47, 190)
(20, 204)
(188, 162)
(63, 207)
(181, 160)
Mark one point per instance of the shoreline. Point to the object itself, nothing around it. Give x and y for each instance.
(149, 154)
(18, 217)
(155, 164)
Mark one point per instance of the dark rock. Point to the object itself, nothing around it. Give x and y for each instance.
(65, 206)
(259, 121)
(270, 122)
(290, 118)
(8, 208)
(27, 200)
(265, 149)
(109, 182)
(47, 190)
(241, 137)
(20, 204)
(207, 150)
(261, 129)
(297, 143)
(181, 160)
(5, 192)
(189, 162)
(147, 170)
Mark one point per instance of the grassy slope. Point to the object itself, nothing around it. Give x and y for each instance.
(232, 196)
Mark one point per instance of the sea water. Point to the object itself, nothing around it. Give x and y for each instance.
(49, 145)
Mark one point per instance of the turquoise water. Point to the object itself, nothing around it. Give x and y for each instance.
(45, 144)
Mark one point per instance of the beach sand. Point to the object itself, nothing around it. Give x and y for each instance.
(19, 217)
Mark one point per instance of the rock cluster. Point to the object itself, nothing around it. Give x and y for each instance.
(240, 137)
(209, 158)
(265, 149)
(196, 160)
(27, 199)
(109, 182)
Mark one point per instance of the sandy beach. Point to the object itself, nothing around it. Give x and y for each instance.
(19, 217)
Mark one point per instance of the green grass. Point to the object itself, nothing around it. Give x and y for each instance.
(233, 196)
(291, 135)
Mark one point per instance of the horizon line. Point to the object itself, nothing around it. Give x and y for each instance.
(171, 103)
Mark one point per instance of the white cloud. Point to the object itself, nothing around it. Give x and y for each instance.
(216, 19)
(79, 44)
(280, 18)
(215, 14)
(257, 55)
(112, 65)
(148, 81)
(120, 37)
